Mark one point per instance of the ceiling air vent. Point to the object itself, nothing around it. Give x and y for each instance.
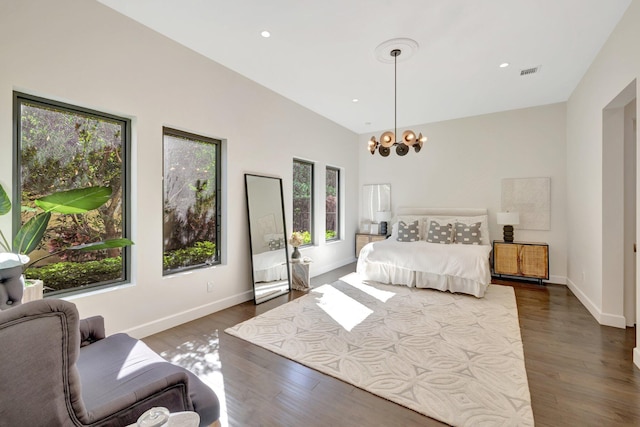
(528, 71)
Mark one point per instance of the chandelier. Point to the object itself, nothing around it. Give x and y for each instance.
(388, 138)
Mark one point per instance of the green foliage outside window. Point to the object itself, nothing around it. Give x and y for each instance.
(62, 148)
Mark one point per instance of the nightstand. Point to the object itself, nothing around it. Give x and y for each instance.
(300, 276)
(364, 238)
(521, 259)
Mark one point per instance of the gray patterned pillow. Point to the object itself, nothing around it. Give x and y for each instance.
(468, 234)
(440, 233)
(408, 232)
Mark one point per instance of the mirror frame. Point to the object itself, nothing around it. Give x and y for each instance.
(247, 177)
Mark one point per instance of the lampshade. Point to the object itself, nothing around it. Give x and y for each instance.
(508, 218)
(383, 216)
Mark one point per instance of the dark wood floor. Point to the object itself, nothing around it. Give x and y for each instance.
(580, 373)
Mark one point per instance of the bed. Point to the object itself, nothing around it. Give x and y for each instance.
(459, 264)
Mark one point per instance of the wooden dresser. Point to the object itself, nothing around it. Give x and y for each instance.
(521, 259)
(364, 238)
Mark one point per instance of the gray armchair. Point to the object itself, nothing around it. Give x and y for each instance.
(59, 370)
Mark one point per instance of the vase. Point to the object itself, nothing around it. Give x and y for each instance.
(295, 256)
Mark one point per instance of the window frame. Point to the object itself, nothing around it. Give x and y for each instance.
(338, 203)
(18, 99)
(169, 131)
(311, 200)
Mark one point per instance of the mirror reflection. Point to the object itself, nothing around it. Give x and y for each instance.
(268, 243)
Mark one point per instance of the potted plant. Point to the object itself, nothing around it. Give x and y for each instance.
(15, 257)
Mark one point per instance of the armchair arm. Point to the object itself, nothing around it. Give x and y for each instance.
(170, 392)
(91, 330)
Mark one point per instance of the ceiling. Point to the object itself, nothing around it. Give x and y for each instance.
(321, 54)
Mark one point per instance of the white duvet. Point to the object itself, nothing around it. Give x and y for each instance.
(453, 267)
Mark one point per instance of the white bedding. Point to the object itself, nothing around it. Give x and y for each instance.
(453, 267)
(269, 266)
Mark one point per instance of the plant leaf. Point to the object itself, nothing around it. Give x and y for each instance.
(75, 201)
(30, 234)
(5, 202)
(106, 244)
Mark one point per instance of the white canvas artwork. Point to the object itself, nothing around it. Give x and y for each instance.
(531, 198)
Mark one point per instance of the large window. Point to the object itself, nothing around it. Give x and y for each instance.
(191, 201)
(303, 199)
(63, 147)
(332, 203)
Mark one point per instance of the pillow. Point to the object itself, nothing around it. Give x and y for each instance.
(484, 226)
(440, 219)
(408, 232)
(468, 234)
(407, 219)
(439, 233)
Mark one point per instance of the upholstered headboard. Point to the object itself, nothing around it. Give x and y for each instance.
(442, 211)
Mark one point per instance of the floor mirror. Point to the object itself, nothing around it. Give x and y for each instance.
(267, 237)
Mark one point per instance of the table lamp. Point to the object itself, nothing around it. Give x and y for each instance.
(508, 219)
(382, 217)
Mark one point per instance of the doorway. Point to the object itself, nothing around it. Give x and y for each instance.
(619, 213)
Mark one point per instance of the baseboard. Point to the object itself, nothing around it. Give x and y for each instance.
(327, 268)
(606, 319)
(558, 280)
(636, 357)
(176, 319)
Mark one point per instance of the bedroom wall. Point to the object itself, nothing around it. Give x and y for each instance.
(86, 54)
(464, 160)
(616, 66)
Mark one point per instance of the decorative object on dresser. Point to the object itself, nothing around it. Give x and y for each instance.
(451, 357)
(521, 259)
(386, 51)
(508, 219)
(375, 198)
(363, 238)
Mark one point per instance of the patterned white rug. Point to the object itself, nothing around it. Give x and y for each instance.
(455, 358)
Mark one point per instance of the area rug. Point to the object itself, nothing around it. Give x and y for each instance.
(452, 357)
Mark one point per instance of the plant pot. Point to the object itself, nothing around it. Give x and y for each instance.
(11, 279)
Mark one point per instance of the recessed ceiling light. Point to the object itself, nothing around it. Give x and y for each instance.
(355, 100)
(266, 34)
(504, 65)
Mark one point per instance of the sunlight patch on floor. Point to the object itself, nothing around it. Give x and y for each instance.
(348, 312)
(201, 356)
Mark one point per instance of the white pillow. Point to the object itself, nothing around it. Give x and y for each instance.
(484, 226)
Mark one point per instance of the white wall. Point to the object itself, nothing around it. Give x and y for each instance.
(464, 160)
(86, 54)
(616, 66)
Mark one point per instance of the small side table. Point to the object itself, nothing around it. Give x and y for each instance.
(300, 277)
